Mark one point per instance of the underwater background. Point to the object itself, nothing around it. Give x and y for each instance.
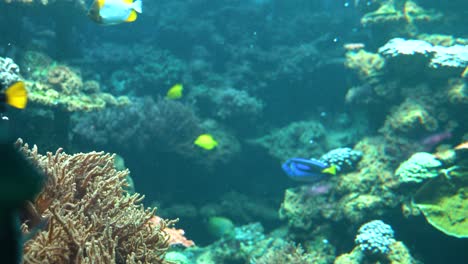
(376, 90)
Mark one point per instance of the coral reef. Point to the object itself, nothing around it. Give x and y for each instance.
(294, 140)
(65, 90)
(353, 197)
(271, 71)
(399, 254)
(399, 17)
(286, 253)
(376, 244)
(375, 238)
(419, 168)
(444, 203)
(161, 125)
(88, 215)
(367, 65)
(301, 210)
(230, 104)
(249, 244)
(445, 61)
(176, 236)
(9, 72)
(411, 117)
(345, 159)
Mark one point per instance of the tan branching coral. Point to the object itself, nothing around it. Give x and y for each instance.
(89, 217)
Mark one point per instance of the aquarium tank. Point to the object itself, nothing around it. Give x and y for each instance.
(234, 131)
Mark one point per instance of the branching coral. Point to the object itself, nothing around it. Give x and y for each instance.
(9, 72)
(89, 217)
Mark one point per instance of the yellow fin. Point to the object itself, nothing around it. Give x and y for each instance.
(132, 17)
(330, 170)
(175, 92)
(100, 3)
(206, 141)
(128, 1)
(16, 95)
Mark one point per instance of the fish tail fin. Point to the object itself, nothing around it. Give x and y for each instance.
(16, 95)
(330, 170)
(132, 17)
(138, 6)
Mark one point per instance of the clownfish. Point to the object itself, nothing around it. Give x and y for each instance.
(111, 12)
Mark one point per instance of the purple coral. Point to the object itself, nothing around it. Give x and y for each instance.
(375, 238)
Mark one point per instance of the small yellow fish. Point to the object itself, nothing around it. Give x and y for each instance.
(111, 12)
(206, 141)
(15, 95)
(175, 92)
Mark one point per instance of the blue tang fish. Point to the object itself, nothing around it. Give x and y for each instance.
(307, 170)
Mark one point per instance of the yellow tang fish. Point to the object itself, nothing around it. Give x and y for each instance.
(111, 12)
(206, 141)
(175, 92)
(15, 95)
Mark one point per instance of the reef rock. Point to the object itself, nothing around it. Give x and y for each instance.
(345, 159)
(418, 168)
(446, 61)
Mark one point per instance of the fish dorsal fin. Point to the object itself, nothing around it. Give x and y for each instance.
(101, 3)
(132, 17)
(17, 96)
(128, 1)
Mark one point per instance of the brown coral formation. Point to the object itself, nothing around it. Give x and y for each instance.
(63, 79)
(366, 64)
(88, 216)
(411, 116)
